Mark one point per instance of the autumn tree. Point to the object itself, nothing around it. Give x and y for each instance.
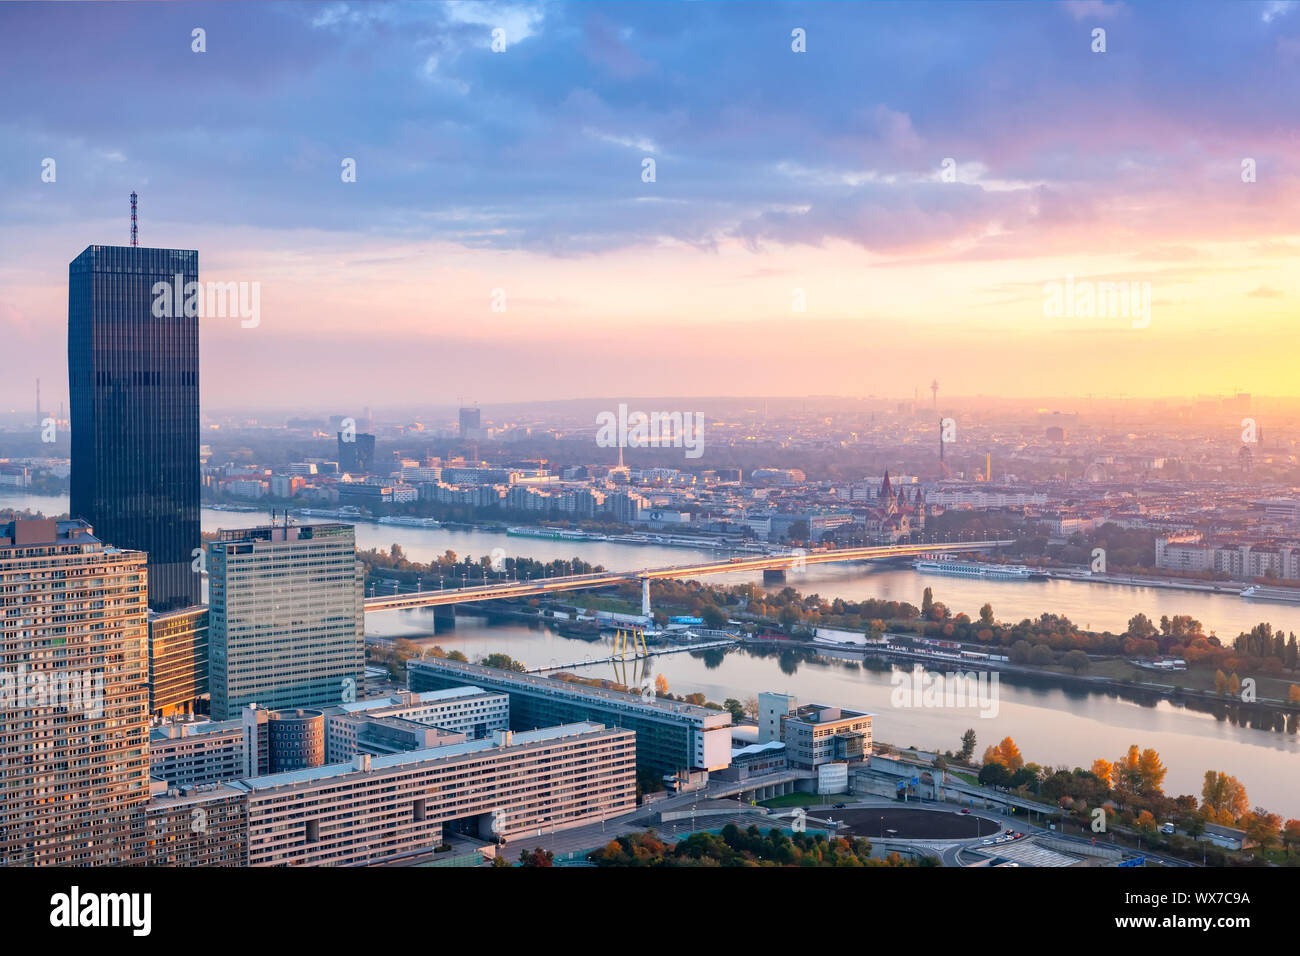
(1263, 827)
(1223, 798)
(1138, 772)
(1005, 753)
(1103, 770)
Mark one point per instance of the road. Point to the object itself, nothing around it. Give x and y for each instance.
(600, 579)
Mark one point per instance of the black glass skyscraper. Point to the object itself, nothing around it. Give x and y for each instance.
(133, 374)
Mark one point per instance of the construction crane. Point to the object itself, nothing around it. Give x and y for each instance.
(133, 223)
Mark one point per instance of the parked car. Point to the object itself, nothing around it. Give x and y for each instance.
(965, 811)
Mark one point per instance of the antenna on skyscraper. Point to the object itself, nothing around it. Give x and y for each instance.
(133, 227)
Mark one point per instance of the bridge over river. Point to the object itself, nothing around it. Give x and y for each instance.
(778, 563)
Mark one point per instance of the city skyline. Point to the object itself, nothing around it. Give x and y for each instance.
(776, 171)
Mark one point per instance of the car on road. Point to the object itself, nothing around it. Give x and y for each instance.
(965, 811)
(1009, 831)
(839, 806)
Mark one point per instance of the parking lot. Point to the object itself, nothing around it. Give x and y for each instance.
(907, 823)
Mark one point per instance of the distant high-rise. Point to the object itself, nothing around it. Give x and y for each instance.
(356, 453)
(74, 697)
(286, 625)
(134, 416)
(470, 419)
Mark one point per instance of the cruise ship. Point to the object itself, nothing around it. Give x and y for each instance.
(408, 521)
(972, 569)
(1259, 592)
(561, 534)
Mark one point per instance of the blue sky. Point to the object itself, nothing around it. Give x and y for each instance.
(521, 170)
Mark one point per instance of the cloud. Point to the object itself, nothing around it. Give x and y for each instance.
(1266, 292)
(1275, 9)
(1092, 9)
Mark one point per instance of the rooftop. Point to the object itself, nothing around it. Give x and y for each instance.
(396, 700)
(554, 685)
(312, 774)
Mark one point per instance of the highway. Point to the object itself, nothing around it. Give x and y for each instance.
(577, 582)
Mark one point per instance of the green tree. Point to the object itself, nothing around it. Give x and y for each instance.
(504, 662)
(714, 616)
(967, 745)
(1076, 660)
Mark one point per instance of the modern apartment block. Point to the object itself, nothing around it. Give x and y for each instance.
(353, 734)
(670, 736)
(204, 826)
(187, 754)
(381, 809)
(178, 660)
(133, 378)
(816, 734)
(192, 753)
(286, 618)
(471, 711)
(74, 759)
(771, 708)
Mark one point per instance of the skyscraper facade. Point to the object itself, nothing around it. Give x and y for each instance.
(287, 618)
(356, 452)
(470, 420)
(134, 383)
(74, 697)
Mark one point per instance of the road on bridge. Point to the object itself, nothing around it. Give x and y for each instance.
(577, 582)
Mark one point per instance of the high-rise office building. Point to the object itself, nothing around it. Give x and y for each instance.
(286, 623)
(74, 731)
(470, 420)
(356, 453)
(134, 384)
(178, 660)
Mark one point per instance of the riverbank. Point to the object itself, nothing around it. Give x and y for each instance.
(1137, 581)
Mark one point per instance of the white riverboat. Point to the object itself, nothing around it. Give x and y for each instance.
(973, 569)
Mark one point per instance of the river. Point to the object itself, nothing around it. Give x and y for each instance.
(1051, 725)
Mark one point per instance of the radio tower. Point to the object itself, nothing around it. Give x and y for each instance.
(934, 392)
(133, 230)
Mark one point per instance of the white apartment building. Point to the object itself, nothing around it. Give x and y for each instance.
(377, 809)
(471, 711)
